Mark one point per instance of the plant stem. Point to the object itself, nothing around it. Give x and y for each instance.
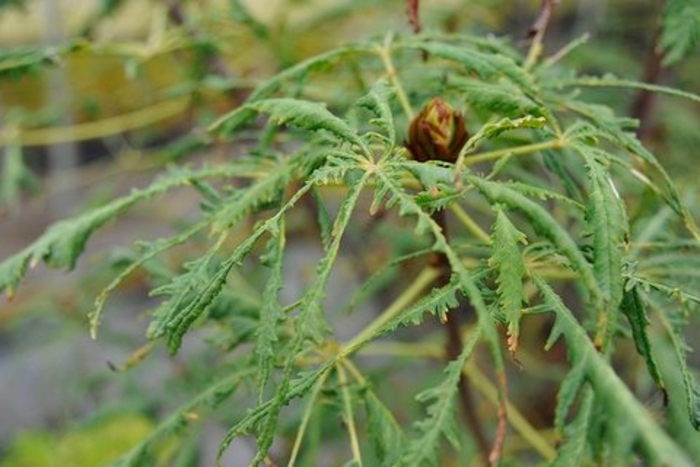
(479, 381)
(305, 419)
(415, 290)
(348, 415)
(537, 32)
(520, 150)
(101, 128)
(385, 55)
(643, 104)
(469, 223)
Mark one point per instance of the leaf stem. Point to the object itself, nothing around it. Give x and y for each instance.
(470, 223)
(305, 419)
(515, 418)
(348, 415)
(98, 129)
(410, 294)
(385, 55)
(518, 151)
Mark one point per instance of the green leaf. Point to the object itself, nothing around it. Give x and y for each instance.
(680, 30)
(568, 390)
(297, 387)
(492, 130)
(692, 390)
(306, 115)
(63, 242)
(544, 223)
(441, 413)
(211, 397)
(192, 292)
(486, 65)
(502, 97)
(311, 323)
(609, 388)
(271, 312)
(633, 308)
(507, 259)
(383, 431)
(572, 452)
(377, 101)
(607, 224)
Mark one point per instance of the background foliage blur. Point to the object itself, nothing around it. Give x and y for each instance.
(96, 96)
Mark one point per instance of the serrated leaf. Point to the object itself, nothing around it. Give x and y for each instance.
(608, 386)
(572, 453)
(212, 396)
(63, 242)
(633, 308)
(194, 291)
(502, 97)
(383, 431)
(306, 115)
(607, 224)
(377, 101)
(441, 413)
(680, 29)
(507, 259)
(311, 323)
(271, 312)
(492, 130)
(568, 390)
(692, 390)
(486, 65)
(544, 223)
(297, 387)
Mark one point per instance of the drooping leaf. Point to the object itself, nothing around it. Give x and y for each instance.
(572, 452)
(383, 431)
(607, 224)
(306, 115)
(441, 412)
(568, 390)
(680, 29)
(63, 242)
(608, 386)
(377, 101)
(209, 398)
(507, 259)
(633, 308)
(544, 223)
(271, 312)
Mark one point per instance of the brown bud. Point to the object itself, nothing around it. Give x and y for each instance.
(438, 132)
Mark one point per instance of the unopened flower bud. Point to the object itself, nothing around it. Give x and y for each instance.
(438, 132)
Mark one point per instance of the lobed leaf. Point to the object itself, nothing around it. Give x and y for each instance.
(680, 29)
(271, 312)
(384, 432)
(507, 259)
(441, 413)
(633, 308)
(608, 387)
(377, 101)
(63, 242)
(544, 223)
(180, 419)
(607, 224)
(306, 115)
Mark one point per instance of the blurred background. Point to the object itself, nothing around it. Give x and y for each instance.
(97, 96)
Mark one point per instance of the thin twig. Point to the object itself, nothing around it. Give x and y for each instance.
(414, 15)
(536, 32)
(643, 103)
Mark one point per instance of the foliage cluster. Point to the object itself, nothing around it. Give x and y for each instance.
(565, 232)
